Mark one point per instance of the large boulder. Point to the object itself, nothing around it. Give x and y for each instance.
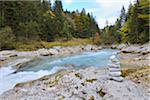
(99, 47)
(121, 46)
(113, 46)
(8, 53)
(144, 49)
(53, 51)
(43, 52)
(94, 48)
(58, 48)
(29, 54)
(130, 49)
(88, 47)
(2, 58)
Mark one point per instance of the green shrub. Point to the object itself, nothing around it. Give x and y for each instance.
(29, 31)
(6, 38)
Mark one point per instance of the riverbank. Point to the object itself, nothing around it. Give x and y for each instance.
(9, 55)
(90, 84)
(134, 55)
(35, 45)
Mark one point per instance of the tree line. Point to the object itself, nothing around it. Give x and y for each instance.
(27, 21)
(131, 27)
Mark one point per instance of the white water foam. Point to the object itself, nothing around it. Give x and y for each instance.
(5, 71)
(8, 81)
(81, 56)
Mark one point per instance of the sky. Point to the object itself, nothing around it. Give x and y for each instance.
(102, 10)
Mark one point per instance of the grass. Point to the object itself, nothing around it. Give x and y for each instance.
(73, 42)
(128, 71)
(36, 45)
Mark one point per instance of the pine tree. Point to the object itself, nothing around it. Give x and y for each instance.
(58, 9)
(122, 16)
(134, 25)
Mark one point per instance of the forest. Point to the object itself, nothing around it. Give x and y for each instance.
(26, 22)
(131, 27)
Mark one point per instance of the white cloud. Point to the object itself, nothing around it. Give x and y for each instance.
(52, 1)
(102, 21)
(68, 1)
(113, 5)
(104, 9)
(110, 10)
(91, 10)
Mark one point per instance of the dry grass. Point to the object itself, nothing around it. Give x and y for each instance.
(128, 71)
(36, 45)
(138, 75)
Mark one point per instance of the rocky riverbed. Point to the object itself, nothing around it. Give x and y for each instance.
(8, 56)
(54, 51)
(84, 84)
(134, 55)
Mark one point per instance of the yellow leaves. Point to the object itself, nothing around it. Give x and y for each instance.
(50, 13)
(144, 4)
(125, 27)
(63, 14)
(97, 39)
(144, 16)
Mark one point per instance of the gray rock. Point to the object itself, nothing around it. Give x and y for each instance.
(121, 46)
(100, 48)
(2, 58)
(144, 49)
(29, 54)
(112, 69)
(114, 46)
(130, 49)
(53, 51)
(8, 53)
(114, 65)
(115, 74)
(88, 48)
(58, 48)
(44, 52)
(118, 79)
(92, 85)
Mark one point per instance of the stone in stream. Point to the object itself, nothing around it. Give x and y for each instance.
(114, 69)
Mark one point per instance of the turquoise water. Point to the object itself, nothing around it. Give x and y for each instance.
(85, 59)
(40, 67)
